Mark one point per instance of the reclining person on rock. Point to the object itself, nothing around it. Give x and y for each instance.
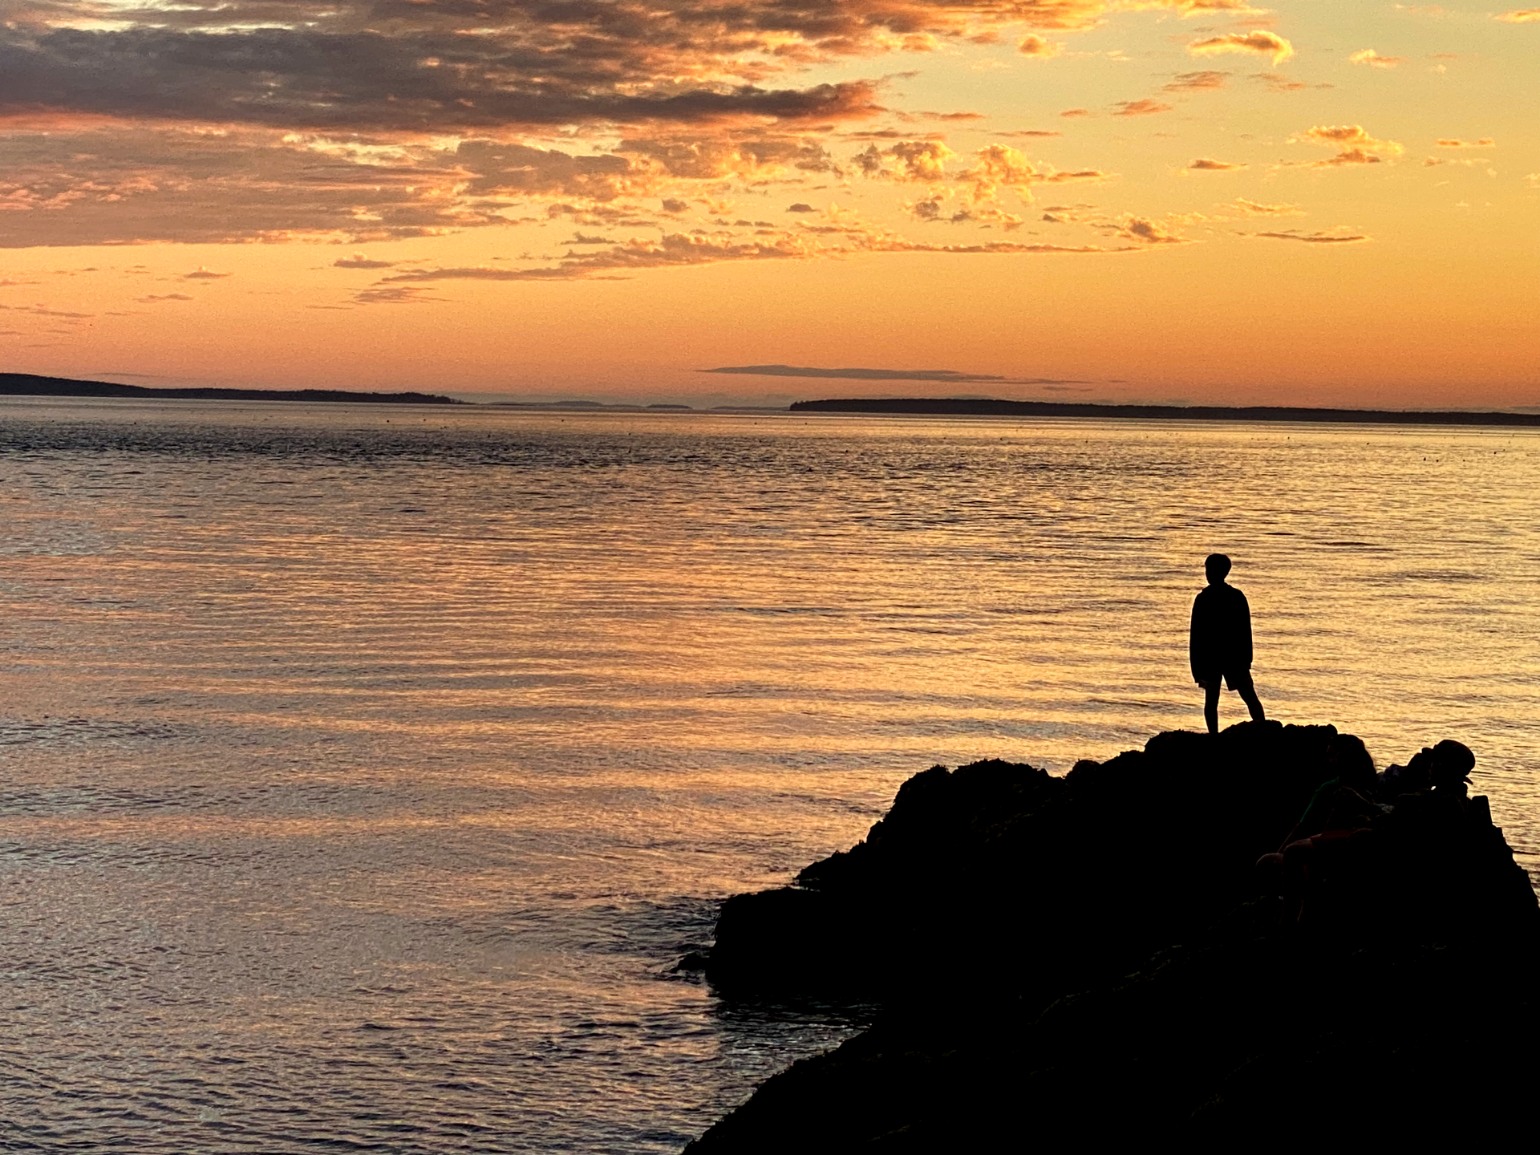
(1219, 644)
(1343, 804)
(1327, 857)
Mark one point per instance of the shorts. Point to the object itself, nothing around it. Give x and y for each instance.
(1234, 680)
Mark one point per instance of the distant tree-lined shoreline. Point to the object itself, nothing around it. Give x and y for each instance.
(30, 385)
(988, 407)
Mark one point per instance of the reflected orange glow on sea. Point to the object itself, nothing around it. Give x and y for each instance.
(366, 770)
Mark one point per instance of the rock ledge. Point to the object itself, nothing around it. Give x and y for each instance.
(1209, 938)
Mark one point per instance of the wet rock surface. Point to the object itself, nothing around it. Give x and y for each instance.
(1223, 938)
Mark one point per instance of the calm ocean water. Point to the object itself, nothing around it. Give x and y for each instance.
(365, 770)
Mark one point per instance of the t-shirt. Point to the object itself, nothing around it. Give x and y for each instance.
(1220, 642)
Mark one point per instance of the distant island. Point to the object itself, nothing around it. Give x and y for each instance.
(30, 385)
(989, 407)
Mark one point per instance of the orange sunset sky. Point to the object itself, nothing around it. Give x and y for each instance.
(1315, 202)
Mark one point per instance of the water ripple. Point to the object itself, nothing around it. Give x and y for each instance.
(364, 780)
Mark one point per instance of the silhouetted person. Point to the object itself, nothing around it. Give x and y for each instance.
(1220, 642)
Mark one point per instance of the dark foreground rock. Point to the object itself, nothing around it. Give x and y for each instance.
(1103, 956)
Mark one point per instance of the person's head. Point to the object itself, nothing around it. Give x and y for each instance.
(1216, 565)
(1452, 761)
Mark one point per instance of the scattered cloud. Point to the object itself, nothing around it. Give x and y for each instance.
(1453, 142)
(695, 155)
(1373, 59)
(1520, 16)
(137, 184)
(480, 273)
(1355, 144)
(671, 249)
(990, 248)
(918, 160)
(1147, 232)
(932, 208)
(1145, 107)
(703, 248)
(1351, 156)
(45, 311)
(1459, 162)
(1278, 82)
(394, 295)
(1257, 209)
(1333, 238)
(1339, 134)
(359, 261)
(997, 166)
(1068, 175)
(1260, 42)
(680, 126)
(993, 167)
(1206, 80)
(156, 298)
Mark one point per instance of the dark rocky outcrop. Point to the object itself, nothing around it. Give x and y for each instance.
(1102, 956)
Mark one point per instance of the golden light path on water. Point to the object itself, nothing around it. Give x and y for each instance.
(365, 770)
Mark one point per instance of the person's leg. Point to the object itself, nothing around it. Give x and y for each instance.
(1211, 705)
(1247, 689)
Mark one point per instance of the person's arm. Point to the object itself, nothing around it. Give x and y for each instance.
(1245, 629)
(1192, 639)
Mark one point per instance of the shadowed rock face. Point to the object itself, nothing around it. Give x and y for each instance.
(1101, 956)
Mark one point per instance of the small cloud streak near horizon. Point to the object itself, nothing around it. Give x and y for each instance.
(937, 376)
(572, 198)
